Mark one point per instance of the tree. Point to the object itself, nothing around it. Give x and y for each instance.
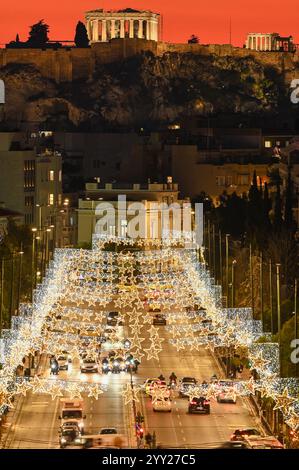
(193, 39)
(38, 34)
(17, 38)
(81, 37)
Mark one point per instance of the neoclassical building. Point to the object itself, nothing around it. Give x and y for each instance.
(269, 42)
(104, 25)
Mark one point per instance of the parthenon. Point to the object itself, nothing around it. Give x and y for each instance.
(102, 25)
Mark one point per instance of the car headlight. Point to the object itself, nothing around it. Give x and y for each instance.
(116, 363)
(63, 440)
(81, 425)
(105, 366)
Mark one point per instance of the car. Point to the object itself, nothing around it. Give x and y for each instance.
(241, 434)
(234, 445)
(159, 320)
(162, 404)
(63, 362)
(263, 442)
(149, 383)
(89, 365)
(199, 405)
(68, 435)
(226, 392)
(108, 431)
(186, 384)
(154, 308)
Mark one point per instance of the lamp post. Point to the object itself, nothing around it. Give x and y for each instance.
(209, 244)
(227, 267)
(12, 303)
(278, 306)
(251, 279)
(271, 296)
(214, 251)
(295, 318)
(33, 262)
(262, 290)
(21, 252)
(220, 257)
(2, 294)
(233, 283)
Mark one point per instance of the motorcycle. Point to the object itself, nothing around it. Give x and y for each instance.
(54, 368)
(116, 369)
(172, 383)
(105, 367)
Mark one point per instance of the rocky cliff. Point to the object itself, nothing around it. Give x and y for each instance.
(149, 90)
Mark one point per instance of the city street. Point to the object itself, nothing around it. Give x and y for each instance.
(35, 423)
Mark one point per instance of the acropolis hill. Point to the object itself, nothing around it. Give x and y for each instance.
(134, 82)
(69, 64)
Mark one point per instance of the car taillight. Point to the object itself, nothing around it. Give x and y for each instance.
(206, 402)
(193, 402)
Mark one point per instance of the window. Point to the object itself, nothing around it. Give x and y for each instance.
(268, 144)
(60, 176)
(51, 199)
(59, 199)
(220, 180)
(51, 175)
(229, 180)
(243, 180)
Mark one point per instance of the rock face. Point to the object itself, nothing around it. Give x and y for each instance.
(147, 90)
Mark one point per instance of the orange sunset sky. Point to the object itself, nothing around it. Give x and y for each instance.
(207, 19)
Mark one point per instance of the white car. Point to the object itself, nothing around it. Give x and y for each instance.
(63, 362)
(89, 365)
(162, 404)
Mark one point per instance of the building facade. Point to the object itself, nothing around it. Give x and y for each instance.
(104, 25)
(149, 194)
(270, 42)
(30, 181)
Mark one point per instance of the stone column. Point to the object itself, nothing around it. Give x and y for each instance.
(89, 29)
(104, 31)
(122, 29)
(131, 31)
(95, 30)
(147, 29)
(140, 29)
(250, 42)
(112, 29)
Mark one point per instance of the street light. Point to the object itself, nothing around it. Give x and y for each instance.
(233, 282)
(21, 253)
(227, 267)
(262, 290)
(278, 304)
(33, 264)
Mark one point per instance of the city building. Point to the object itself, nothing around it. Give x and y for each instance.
(199, 171)
(30, 181)
(104, 25)
(149, 194)
(269, 42)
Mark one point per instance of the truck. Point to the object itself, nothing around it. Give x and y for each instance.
(71, 413)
